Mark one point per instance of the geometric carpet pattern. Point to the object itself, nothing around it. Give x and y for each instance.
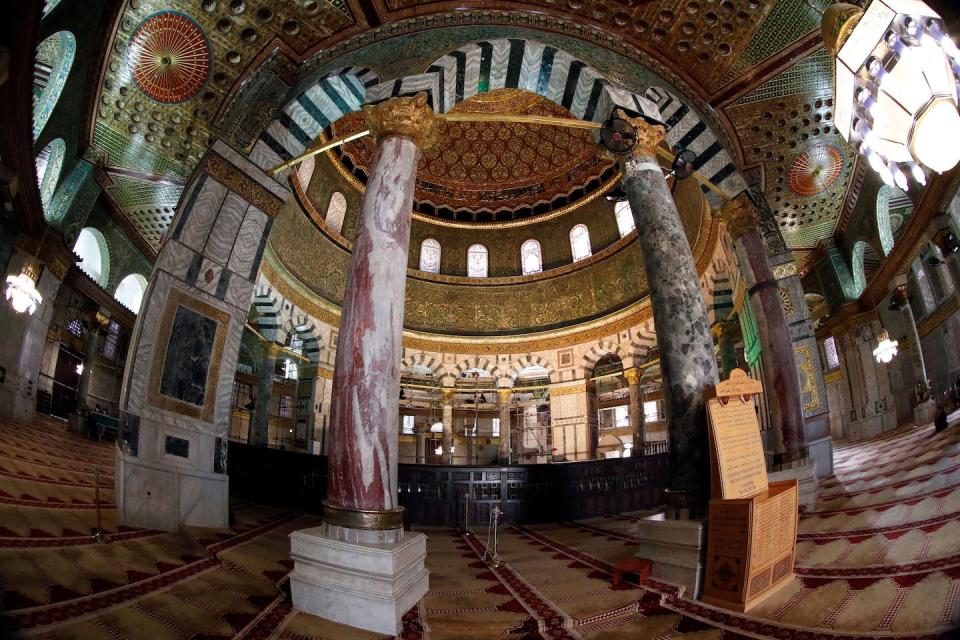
(879, 557)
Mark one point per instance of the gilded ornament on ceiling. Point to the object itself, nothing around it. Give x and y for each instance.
(815, 171)
(169, 57)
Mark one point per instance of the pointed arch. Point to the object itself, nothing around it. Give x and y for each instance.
(580, 242)
(531, 259)
(130, 290)
(477, 261)
(51, 68)
(430, 253)
(94, 254)
(49, 165)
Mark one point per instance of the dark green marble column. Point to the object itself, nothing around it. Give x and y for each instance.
(680, 316)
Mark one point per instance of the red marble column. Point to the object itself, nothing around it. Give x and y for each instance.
(780, 378)
(364, 410)
(364, 413)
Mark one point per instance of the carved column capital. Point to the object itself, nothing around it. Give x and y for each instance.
(446, 395)
(632, 375)
(504, 395)
(272, 350)
(740, 216)
(649, 136)
(411, 118)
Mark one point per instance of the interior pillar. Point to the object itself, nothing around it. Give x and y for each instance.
(178, 385)
(780, 379)
(259, 431)
(635, 409)
(504, 397)
(680, 315)
(446, 416)
(92, 327)
(359, 567)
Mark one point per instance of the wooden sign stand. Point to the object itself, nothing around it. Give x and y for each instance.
(752, 530)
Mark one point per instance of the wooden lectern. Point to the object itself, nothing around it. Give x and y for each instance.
(752, 527)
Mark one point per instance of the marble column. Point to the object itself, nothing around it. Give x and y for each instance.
(900, 299)
(421, 436)
(635, 409)
(446, 416)
(680, 315)
(89, 361)
(504, 397)
(725, 334)
(780, 379)
(258, 430)
(360, 568)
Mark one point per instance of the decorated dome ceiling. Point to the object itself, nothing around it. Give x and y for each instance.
(178, 75)
(497, 170)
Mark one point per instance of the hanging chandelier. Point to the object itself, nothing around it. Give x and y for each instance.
(22, 290)
(896, 85)
(886, 348)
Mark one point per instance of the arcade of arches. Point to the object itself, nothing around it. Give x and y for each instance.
(449, 377)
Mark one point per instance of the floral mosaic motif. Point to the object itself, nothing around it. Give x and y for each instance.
(54, 54)
(169, 57)
(49, 166)
(815, 171)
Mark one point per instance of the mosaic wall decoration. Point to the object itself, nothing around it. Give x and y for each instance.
(55, 53)
(169, 57)
(49, 166)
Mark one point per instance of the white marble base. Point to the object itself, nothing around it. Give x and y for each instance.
(162, 497)
(821, 452)
(924, 412)
(675, 549)
(806, 475)
(369, 586)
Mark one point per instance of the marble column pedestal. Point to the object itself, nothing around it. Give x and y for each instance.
(924, 412)
(365, 579)
(676, 550)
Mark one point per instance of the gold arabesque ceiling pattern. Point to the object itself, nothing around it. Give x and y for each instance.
(757, 64)
(497, 167)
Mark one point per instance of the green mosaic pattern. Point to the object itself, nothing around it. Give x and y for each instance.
(809, 234)
(787, 22)
(131, 193)
(813, 74)
(123, 150)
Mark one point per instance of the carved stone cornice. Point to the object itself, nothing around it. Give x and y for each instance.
(411, 118)
(240, 183)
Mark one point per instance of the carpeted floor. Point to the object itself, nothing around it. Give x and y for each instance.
(879, 557)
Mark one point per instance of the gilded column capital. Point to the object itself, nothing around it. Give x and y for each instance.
(632, 375)
(740, 216)
(725, 330)
(504, 395)
(411, 118)
(446, 395)
(273, 350)
(649, 136)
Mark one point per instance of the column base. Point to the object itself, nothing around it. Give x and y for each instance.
(360, 584)
(675, 549)
(805, 472)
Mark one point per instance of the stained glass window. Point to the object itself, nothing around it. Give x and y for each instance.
(580, 242)
(624, 215)
(336, 210)
(430, 256)
(477, 261)
(530, 259)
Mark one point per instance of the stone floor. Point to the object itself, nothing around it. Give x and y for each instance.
(879, 557)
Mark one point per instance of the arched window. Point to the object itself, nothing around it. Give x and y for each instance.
(336, 210)
(94, 255)
(49, 166)
(48, 6)
(856, 265)
(624, 217)
(530, 259)
(477, 261)
(893, 207)
(51, 68)
(580, 242)
(130, 291)
(430, 256)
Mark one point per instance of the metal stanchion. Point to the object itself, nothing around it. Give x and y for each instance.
(97, 534)
(490, 555)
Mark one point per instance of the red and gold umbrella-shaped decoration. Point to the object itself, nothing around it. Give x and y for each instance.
(169, 57)
(815, 171)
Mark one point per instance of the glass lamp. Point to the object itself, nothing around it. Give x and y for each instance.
(22, 290)
(896, 87)
(886, 348)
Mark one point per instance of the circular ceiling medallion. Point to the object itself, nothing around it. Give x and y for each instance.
(169, 57)
(815, 171)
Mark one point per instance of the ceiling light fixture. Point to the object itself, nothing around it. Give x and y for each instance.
(895, 86)
(22, 290)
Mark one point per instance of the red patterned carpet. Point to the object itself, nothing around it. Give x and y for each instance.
(879, 557)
